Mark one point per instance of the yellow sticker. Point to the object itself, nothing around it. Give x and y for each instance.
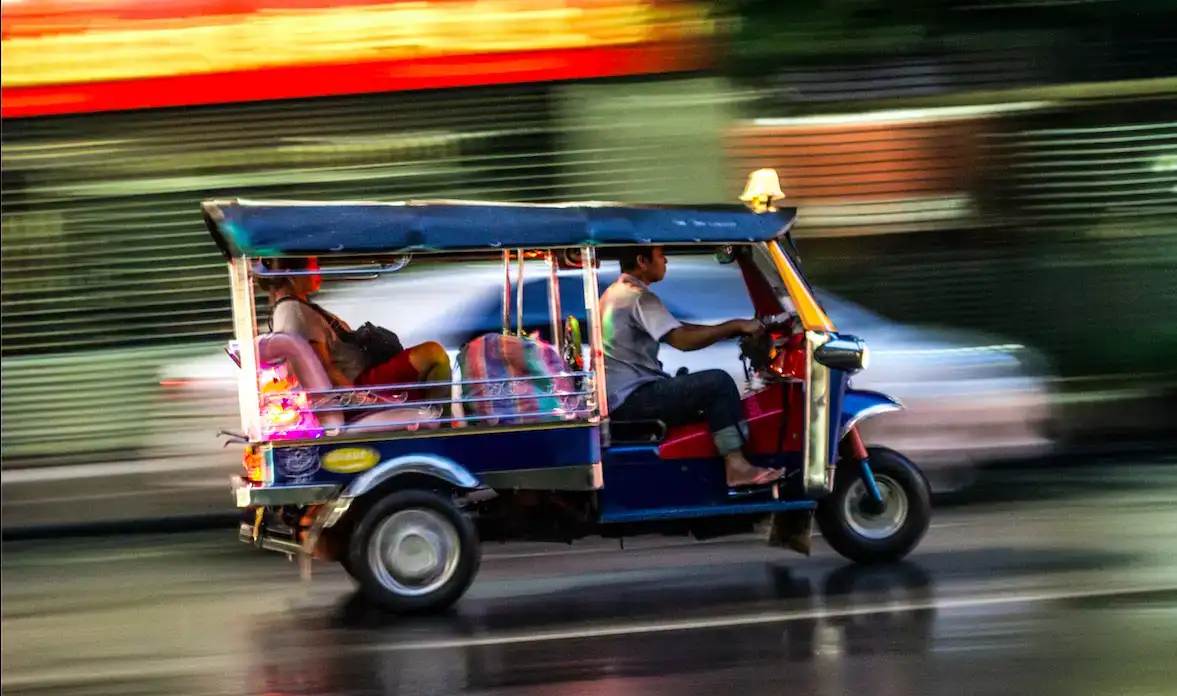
(350, 460)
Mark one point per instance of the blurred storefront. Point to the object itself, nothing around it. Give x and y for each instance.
(996, 166)
(1051, 222)
(943, 182)
(119, 116)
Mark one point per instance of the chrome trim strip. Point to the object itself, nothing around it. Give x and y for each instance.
(585, 477)
(255, 496)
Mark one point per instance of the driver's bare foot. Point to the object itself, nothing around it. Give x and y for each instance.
(741, 473)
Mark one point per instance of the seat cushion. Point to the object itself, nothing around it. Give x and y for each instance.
(403, 418)
(496, 360)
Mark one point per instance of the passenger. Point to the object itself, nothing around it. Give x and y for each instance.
(634, 323)
(293, 312)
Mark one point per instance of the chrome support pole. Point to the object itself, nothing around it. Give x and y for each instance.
(519, 296)
(592, 306)
(506, 291)
(245, 331)
(555, 314)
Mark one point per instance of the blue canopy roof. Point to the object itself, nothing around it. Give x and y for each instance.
(288, 228)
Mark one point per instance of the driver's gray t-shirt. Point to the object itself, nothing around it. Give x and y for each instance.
(633, 322)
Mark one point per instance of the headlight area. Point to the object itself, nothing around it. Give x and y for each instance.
(845, 353)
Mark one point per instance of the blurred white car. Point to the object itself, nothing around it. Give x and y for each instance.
(968, 397)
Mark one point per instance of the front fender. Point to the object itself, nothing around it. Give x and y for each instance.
(859, 404)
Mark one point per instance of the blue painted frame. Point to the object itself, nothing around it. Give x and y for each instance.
(475, 451)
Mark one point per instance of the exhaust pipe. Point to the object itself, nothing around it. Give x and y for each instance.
(268, 543)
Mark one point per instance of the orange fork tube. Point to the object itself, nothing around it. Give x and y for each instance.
(852, 446)
(853, 449)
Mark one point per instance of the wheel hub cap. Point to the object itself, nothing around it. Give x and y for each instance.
(414, 552)
(863, 514)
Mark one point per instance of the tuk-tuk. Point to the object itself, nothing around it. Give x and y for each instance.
(401, 492)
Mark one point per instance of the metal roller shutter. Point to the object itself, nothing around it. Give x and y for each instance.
(108, 272)
(1068, 241)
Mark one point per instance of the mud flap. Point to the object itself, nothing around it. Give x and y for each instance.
(792, 529)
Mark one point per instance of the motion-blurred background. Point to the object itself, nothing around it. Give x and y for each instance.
(1006, 171)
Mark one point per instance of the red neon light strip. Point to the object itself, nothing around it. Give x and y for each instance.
(331, 80)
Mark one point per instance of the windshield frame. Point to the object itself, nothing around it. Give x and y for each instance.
(792, 289)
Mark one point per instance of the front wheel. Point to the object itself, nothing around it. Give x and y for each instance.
(414, 552)
(859, 531)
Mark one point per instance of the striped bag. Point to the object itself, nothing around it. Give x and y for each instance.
(495, 357)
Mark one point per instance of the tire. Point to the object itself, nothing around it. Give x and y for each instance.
(439, 564)
(345, 563)
(869, 539)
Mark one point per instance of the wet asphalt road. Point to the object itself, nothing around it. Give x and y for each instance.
(1075, 596)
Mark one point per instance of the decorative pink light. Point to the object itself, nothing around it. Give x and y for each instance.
(286, 411)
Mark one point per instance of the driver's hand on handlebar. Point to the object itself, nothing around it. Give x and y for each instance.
(750, 327)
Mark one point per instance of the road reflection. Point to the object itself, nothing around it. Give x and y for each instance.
(565, 638)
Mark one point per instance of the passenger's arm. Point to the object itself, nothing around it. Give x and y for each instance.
(337, 378)
(289, 317)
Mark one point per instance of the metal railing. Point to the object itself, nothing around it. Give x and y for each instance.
(585, 407)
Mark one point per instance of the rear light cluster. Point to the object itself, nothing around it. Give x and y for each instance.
(255, 465)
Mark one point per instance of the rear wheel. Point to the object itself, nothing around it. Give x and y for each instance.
(866, 533)
(414, 552)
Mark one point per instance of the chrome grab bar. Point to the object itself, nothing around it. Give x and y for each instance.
(426, 385)
(441, 402)
(259, 271)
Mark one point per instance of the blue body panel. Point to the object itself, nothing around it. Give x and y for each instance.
(838, 395)
(243, 228)
(639, 486)
(477, 452)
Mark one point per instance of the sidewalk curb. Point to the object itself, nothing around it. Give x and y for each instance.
(153, 525)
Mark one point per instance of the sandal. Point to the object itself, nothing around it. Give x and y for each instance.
(762, 477)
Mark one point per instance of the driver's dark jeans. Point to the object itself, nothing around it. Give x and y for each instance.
(709, 395)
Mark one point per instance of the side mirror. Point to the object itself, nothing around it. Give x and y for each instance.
(567, 259)
(843, 352)
(234, 352)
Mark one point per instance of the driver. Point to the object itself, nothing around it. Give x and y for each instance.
(634, 323)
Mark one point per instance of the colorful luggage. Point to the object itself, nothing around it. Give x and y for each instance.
(496, 362)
